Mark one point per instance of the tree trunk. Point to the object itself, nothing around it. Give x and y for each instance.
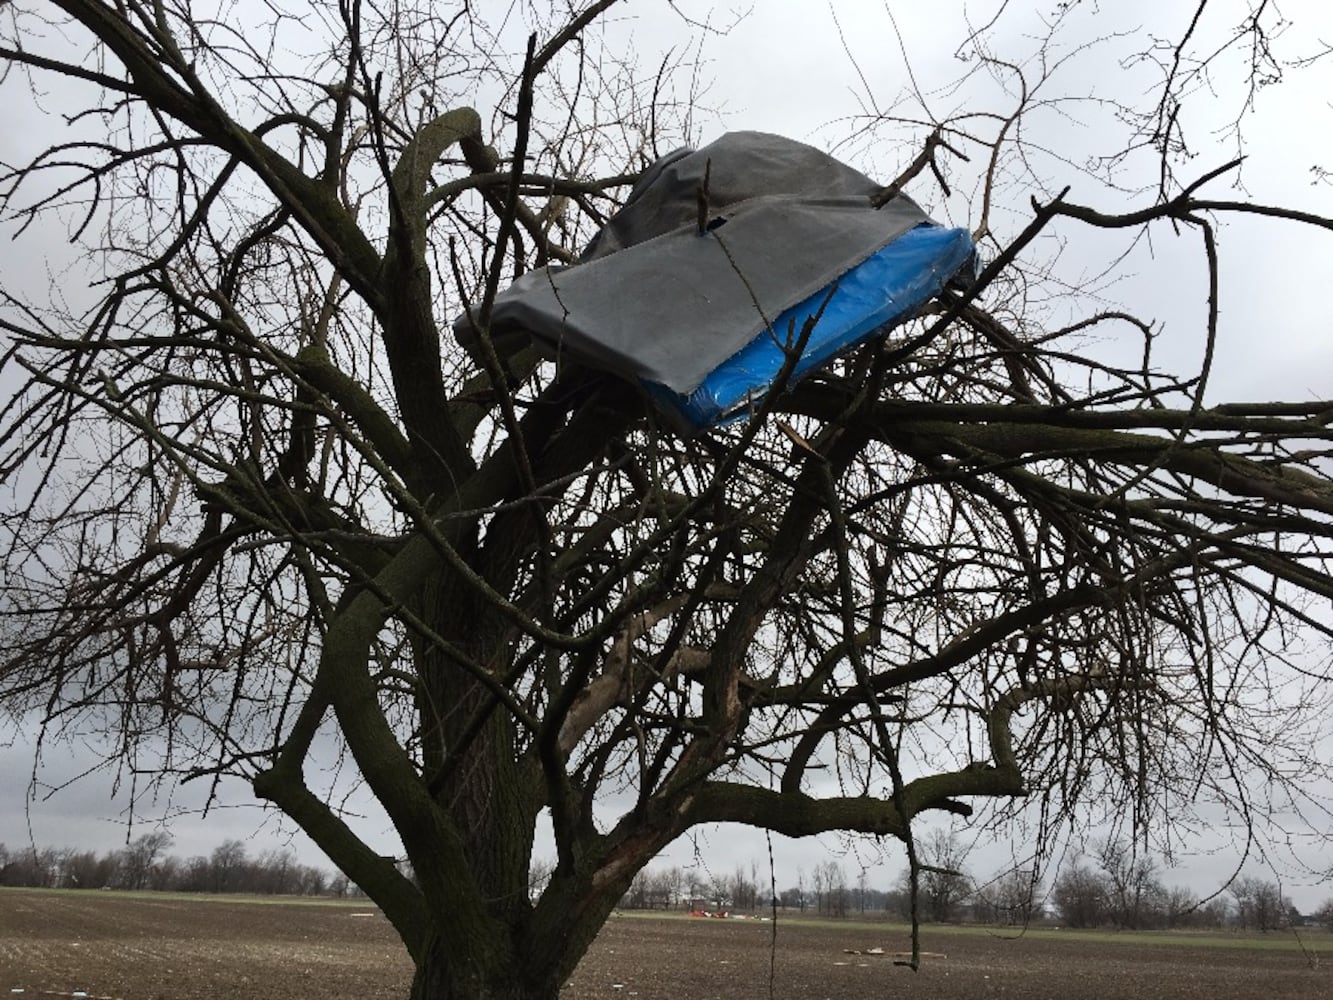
(487, 974)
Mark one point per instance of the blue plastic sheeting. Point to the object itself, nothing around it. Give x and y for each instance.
(880, 292)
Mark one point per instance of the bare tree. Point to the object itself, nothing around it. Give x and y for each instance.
(539, 873)
(1134, 894)
(828, 885)
(1082, 896)
(719, 892)
(636, 898)
(141, 856)
(743, 890)
(255, 496)
(31, 866)
(1325, 914)
(1181, 907)
(226, 866)
(1260, 904)
(1011, 898)
(695, 886)
(831, 889)
(86, 870)
(943, 883)
(673, 886)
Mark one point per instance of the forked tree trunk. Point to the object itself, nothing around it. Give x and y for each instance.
(529, 959)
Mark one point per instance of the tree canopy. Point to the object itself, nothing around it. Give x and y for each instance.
(260, 500)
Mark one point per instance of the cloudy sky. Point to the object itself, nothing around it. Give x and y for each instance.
(838, 75)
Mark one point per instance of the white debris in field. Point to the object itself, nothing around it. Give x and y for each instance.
(896, 955)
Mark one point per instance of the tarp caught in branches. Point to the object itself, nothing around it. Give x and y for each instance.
(703, 284)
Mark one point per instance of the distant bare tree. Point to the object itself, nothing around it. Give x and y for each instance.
(539, 873)
(837, 897)
(88, 870)
(673, 885)
(275, 873)
(1081, 895)
(1010, 899)
(141, 857)
(314, 881)
(829, 884)
(943, 881)
(696, 886)
(1325, 914)
(226, 866)
(636, 898)
(1134, 895)
(1180, 907)
(31, 866)
(1260, 904)
(744, 890)
(196, 875)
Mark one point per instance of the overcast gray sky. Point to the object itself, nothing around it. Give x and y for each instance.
(834, 75)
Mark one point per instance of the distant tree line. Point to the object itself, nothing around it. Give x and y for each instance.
(1119, 887)
(144, 863)
(1116, 886)
(695, 888)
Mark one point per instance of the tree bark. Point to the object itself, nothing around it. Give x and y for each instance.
(486, 972)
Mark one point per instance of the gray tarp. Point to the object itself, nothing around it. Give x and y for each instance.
(653, 299)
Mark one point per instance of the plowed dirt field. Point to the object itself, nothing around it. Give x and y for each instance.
(167, 947)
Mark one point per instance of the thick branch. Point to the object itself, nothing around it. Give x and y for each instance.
(377, 876)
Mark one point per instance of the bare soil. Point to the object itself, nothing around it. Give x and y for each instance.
(169, 947)
(702, 959)
(172, 947)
